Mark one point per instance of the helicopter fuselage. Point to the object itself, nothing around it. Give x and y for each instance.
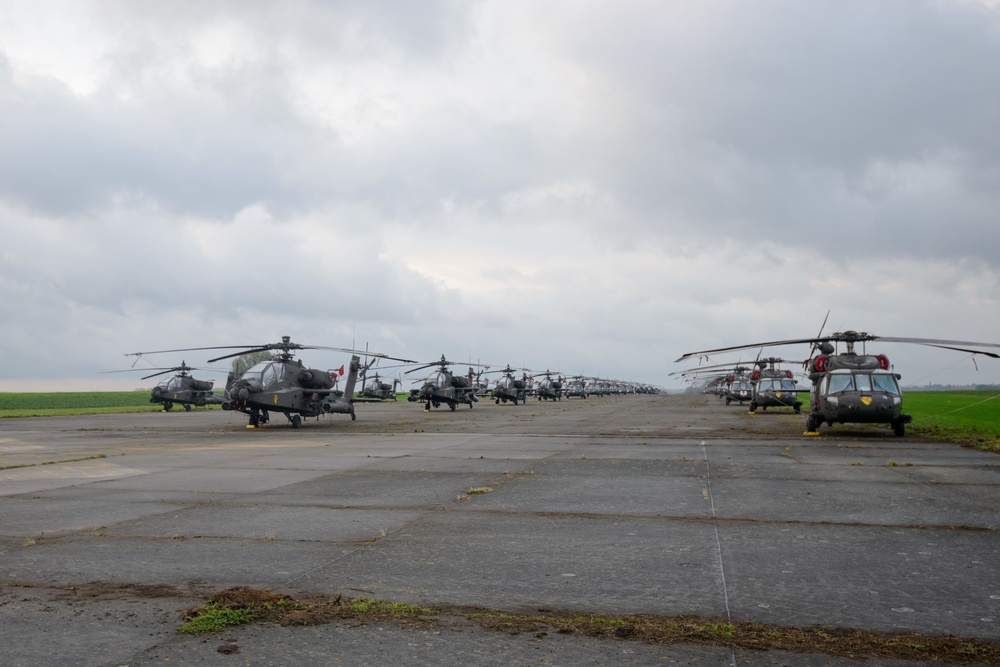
(858, 389)
(774, 389)
(185, 390)
(446, 388)
(509, 389)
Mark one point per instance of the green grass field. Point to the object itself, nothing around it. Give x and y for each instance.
(50, 404)
(968, 417)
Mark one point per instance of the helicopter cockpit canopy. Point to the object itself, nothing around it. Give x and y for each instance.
(173, 384)
(741, 385)
(841, 382)
(777, 384)
(265, 372)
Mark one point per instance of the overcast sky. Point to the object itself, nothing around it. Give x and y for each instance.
(581, 185)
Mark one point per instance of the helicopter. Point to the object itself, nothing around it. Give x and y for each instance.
(445, 387)
(283, 384)
(773, 387)
(855, 388)
(726, 381)
(377, 391)
(576, 387)
(508, 388)
(182, 389)
(549, 389)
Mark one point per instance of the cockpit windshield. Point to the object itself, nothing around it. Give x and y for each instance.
(255, 371)
(885, 382)
(863, 382)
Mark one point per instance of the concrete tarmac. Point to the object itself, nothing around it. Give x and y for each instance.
(669, 505)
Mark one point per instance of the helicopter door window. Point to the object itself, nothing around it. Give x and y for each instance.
(174, 384)
(841, 383)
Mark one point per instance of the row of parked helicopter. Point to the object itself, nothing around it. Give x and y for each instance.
(846, 386)
(282, 384)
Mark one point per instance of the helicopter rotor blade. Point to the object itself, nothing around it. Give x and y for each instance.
(794, 341)
(419, 368)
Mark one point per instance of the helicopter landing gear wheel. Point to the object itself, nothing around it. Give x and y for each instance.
(167, 405)
(728, 401)
(452, 406)
(187, 407)
(497, 402)
(899, 428)
(296, 421)
(753, 408)
(798, 408)
(812, 424)
(354, 417)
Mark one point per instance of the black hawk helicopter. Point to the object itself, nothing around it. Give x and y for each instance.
(182, 389)
(283, 384)
(576, 387)
(444, 387)
(725, 381)
(549, 389)
(509, 388)
(774, 387)
(854, 388)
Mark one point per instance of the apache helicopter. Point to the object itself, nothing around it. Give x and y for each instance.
(509, 388)
(549, 389)
(855, 388)
(283, 384)
(181, 388)
(444, 387)
(773, 387)
(377, 391)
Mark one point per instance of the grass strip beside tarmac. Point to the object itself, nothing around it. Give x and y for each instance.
(242, 605)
